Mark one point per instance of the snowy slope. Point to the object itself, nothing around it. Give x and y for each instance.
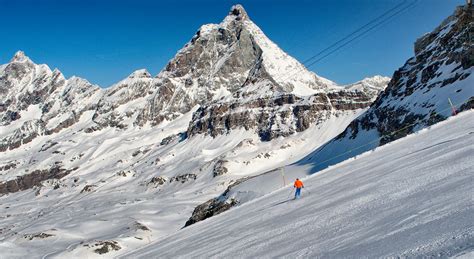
(153, 177)
(374, 84)
(412, 197)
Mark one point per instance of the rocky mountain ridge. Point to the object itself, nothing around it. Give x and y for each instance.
(231, 64)
(37, 101)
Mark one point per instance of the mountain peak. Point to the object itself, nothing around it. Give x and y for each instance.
(141, 73)
(238, 11)
(20, 57)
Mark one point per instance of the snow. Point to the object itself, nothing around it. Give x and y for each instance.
(140, 73)
(459, 92)
(284, 151)
(20, 57)
(33, 112)
(285, 69)
(119, 166)
(375, 83)
(410, 198)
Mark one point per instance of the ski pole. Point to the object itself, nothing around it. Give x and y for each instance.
(308, 191)
(291, 191)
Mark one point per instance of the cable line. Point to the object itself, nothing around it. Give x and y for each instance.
(354, 32)
(290, 73)
(364, 33)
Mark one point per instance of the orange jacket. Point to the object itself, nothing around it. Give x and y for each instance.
(298, 184)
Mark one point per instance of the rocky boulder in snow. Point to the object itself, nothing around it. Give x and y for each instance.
(34, 178)
(209, 209)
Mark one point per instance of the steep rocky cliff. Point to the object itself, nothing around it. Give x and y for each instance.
(275, 116)
(219, 61)
(35, 101)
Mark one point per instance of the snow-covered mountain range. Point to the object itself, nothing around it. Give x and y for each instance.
(86, 171)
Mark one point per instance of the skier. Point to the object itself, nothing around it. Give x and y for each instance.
(298, 185)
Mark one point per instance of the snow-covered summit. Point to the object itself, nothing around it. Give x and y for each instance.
(20, 57)
(371, 85)
(287, 73)
(377, 82)
(32, 94)
(238, 11)
(141, 73)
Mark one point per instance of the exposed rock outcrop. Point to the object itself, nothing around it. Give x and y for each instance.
(40, 235)
(34, 178)
(215, 206)
(103, 247)
(88, 188)
(182, 178)
(281, 115)
(209, 209)
(219, 168)
(157, 180)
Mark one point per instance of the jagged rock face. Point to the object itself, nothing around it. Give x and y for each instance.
(25, 134)
(37, 101)
(218, 52)
(418, 93)
(274, 117)
(34, 178)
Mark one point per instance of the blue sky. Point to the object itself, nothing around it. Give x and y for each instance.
(105, 41)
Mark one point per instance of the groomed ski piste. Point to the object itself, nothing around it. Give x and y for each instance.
(412, 197)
